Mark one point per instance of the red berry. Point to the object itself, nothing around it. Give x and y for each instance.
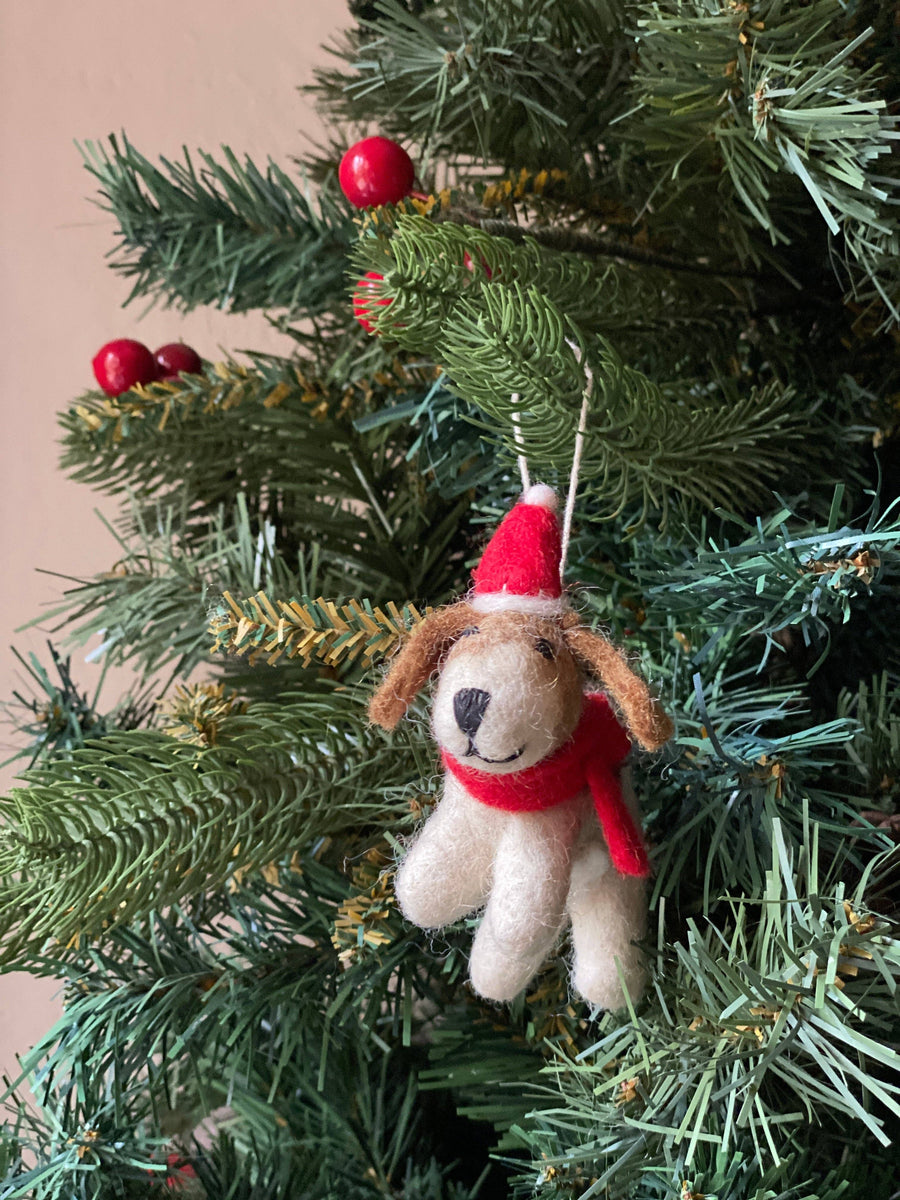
(121, 364)
(376, 171)
(470, 265)
(182, 1168)
(363, 299)
(175, 358)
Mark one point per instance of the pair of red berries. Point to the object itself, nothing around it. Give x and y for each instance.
(374, 171)
(125, 363)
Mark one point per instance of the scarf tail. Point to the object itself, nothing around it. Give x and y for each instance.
(626, 845)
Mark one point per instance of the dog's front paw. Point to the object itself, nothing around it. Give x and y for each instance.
(500, 966)
(427, 898)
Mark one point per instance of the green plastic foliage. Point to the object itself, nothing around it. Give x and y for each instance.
(783, 574)
(197, 900)
(205, 993)
(533, 83)
(791, 992)
(644, 445)
(152, 609)
(59, 716)
(516, 353)
(875, 751)
(139, 820)
(301, 476)
(716, 1174)
(756, 747)
(759, 100)
(277, 423)
(225, 234)
(721, 127)
(431, 265)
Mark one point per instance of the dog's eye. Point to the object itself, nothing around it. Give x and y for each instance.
(544, 648)
(468, 632)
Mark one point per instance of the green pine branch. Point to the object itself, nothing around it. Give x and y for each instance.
(140, 820)
(875, 750)
(502, 338)
(227, 968)
(225, 974)
(151, 609)
(434, 262)
(758, 746)
(782, 575)
(501, 82)
(222, 233)
(306, 463)
(335, 634)
(645, 445)
(263, 420)
(59, 716)
(764, 103)
(778, 1020)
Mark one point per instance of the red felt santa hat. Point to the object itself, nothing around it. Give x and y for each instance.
(519, 569)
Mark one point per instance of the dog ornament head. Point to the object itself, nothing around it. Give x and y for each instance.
(512, 656)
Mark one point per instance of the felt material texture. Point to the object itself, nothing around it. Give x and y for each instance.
(416, 662)
(608, 912)
(448, 869)
(527, 905)
(523, 556)
(533, 874)
(532, 690)
(534, 825)
(643, 716)
(592, 755)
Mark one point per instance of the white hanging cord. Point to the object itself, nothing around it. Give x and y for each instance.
(520, 442)
(576, 462)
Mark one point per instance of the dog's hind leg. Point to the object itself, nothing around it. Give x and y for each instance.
(447, 870)
(526, 910)
(608, 913)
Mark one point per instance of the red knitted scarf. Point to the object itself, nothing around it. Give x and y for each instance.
(590, 758)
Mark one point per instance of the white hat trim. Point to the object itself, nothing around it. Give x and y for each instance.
(542, 606)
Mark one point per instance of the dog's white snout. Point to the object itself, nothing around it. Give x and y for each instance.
(469, 705)
(501, 704)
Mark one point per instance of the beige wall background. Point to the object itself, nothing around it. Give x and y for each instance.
(198, 73)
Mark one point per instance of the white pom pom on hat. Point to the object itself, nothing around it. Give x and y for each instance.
(519, 570)
(542, 495)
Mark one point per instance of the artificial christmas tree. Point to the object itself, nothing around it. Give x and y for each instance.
(685, 211)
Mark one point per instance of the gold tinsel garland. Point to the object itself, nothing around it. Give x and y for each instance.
(335, 634)
(369, 919)
(224, 386)
(196, 711)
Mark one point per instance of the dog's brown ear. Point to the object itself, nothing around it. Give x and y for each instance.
(417, 659)
(643, 714)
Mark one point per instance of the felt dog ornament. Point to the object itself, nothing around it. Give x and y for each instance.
(534, 824)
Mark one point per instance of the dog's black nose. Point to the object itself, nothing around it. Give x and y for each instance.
(468, 708)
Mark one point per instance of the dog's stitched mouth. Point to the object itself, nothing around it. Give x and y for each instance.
(473, 753)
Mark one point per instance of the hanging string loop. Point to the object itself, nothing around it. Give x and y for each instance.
(576, 457)
(520, 442)
(569, 511)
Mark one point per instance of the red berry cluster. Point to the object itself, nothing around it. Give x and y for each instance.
(125, 363)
